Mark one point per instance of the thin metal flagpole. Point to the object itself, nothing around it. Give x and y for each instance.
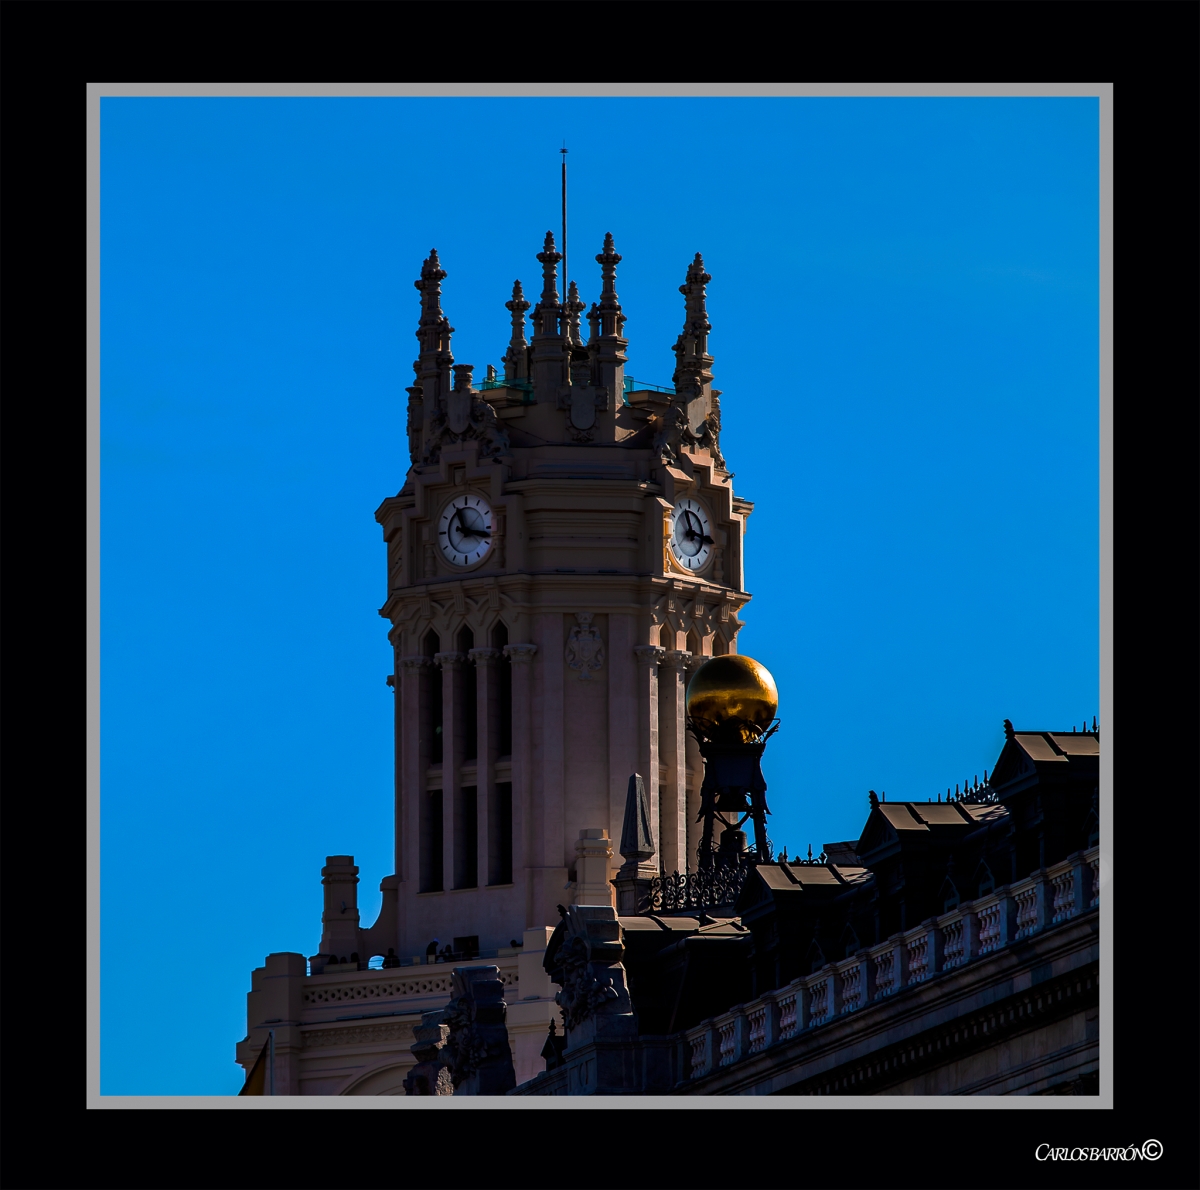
(566, 276)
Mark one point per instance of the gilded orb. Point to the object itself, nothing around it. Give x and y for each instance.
(733, 687)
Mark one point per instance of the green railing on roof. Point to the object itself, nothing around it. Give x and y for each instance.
(526, 386)
(632, 385)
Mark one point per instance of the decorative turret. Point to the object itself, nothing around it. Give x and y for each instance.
(580, 367)
(516, 358)
(607, 347)
(693, 364)
(694, 418)
(433, 333)
(549, 345)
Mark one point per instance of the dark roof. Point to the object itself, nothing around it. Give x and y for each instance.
(1027, 754)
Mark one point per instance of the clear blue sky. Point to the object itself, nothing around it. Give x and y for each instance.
(904, 306)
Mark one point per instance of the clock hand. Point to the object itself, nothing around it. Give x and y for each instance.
(467, 530)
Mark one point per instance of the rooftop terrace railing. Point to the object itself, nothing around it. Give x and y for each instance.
(526, 386)
(942, 944)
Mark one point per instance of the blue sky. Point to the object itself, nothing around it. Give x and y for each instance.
(904, 306)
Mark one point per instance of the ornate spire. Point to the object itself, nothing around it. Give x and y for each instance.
(692, 361)
(516, 358)
(606, 345)
(434, 329)
(550, 350)
(545, 316)
(611, 317)
(573, 307)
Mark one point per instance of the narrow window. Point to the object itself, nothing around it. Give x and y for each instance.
(434, 699)
(500, 847)
(466, 842)
(431, 841)
(503, 693)
(467, 696)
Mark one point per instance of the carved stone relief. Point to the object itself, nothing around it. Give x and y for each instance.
(584, 651)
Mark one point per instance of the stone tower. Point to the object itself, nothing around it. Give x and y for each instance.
(565, 548)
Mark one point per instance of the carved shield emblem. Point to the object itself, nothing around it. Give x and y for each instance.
(584, 651)
(583, 408)
(458, 410)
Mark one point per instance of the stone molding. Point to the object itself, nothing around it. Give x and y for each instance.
(415, 662)
(649, 654)
(678, 660)
(356, 1035)
(483, 656)
(449, 660)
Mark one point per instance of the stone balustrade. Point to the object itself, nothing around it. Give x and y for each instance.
(941, 944)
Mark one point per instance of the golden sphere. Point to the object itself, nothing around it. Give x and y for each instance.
(733, 687)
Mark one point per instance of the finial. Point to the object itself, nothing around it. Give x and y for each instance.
(976, 786)
(810, 853)
(574, 308)
(549, 259)
(883, 795)
(872, 799)
(985, 776)
(947, 795)
(1008, 729)
(1093, 722)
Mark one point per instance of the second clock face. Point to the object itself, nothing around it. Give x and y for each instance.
(691, 534)
(465, 530)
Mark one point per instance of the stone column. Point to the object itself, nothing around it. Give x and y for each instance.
(484, 661)
(649, 658)
(339, 920)
(694, 777)
(521, 657)
(452, 749)
(412, 762)
(672, 744)
(593, 857)
(622, 714)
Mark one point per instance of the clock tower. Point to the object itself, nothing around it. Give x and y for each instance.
(565, 548)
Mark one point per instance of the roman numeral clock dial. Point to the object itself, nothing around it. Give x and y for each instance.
(691, 535)
(465, 530)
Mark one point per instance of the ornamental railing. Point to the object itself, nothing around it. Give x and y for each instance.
(940, 945)
(712, 888)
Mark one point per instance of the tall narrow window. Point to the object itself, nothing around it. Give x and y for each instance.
(431, 841)
(467, 694)
(466, 840)
(503, 693)
(434, 701)
(500, 835)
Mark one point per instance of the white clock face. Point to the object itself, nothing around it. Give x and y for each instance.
(691, 535)
(465, 530)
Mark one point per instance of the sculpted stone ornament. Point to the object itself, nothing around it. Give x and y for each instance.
(464, 416)
(585, 652)
(581, 402)
(476, 1048)
(430, 1075)
(584, 958)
